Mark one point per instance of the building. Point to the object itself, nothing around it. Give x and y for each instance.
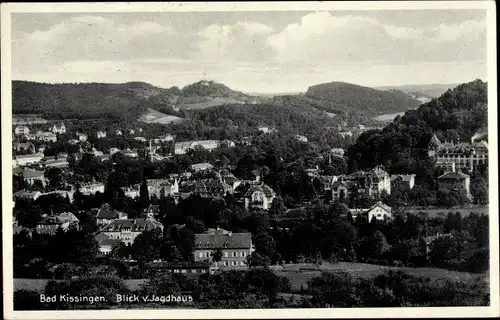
(62, 193)
(105, 243)
(105, 215)
(60, 161)
(184, 147)
(406, 180)
(26, 159)
(113, 150)
(368, 183)
(140, 139)
(267, 130)
(301, 138)
(201, 166)
(82, 137)
(379, 211)
(131, 153)
(337, 152)
(463, 155)
(131, 192)
(162, 187)
(50, 224)
(30, 176)
(187, 268)
(92, 188)
(235, 248)
(167, 137)
(27, 195)
(101, 134)
(24, 146)
(345, 134)
(259, 195)
(21, 130)
(126, 230)
(61, 129)
(455, 181)
(46, 136)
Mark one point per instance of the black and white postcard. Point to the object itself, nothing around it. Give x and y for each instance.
(249, 160)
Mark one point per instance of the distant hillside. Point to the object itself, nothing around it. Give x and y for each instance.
(458, 114)
(350, 98)
(429, 90)
(205, 94)
(89, 100)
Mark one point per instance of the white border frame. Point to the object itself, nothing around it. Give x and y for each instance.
(445, 312)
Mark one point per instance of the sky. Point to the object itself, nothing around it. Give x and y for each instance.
(280, 51)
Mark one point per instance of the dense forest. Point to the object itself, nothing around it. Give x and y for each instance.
(346, 97)
(88, 100)
(457, 115)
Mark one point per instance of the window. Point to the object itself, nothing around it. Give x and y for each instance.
(233, 263)
(235, 254)
(206, 254)
(183, 271)
(243, 254)
(200, 254)
(193, 271)
(225, 254)
(242, 263)
(225, 263)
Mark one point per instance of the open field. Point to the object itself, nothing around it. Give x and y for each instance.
(153, 116)
(299, 274)
(388, 117)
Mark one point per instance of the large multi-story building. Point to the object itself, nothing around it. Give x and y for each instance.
(21, 130)
(59, 128)
(22, 160)
(126, 230)
(259, 195)
(184, 147)
(235, 248)
(92, 188)
(368, 183)
(455, 181)
(463, 155)
(162, 187)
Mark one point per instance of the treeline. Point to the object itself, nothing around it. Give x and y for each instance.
(350, 98)
(402, 145)
(120, 102)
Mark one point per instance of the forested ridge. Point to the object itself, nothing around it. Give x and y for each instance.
(456, 115)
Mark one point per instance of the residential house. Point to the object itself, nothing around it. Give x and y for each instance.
(26, 194)
(462, 155)
(184, 147)
(105, 243)
(215, 188)
(113, 150)
(345, 134)
(167, 137)
(301, 138)
(267, 130)
(50, 224)
(201, 167)
(259, 195)
(131, 153)
(101, 134)
(46, 136)
(131, 192)
(406, 180)
(24, 146)
(26, 159)
(127, 230)
(118, 132)
(21, 130)
(162, 187)
(62, 193)
(68, 216)
(379, 211)
(59, 128)
(105, 215)
(30, 176)
(456, 181)
(60, 161)
(246, 141)
(360, 127)
(368, 183)
(235, 248)
(337, 152)
(92, 188)
(140, 139)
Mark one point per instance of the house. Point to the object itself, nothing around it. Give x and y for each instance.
(105, 215)
(266, 130)
(337, 152)
(301, 138)
(60, 161)
(92, 188)
(131, 192)
(59, 128)
(105, 243)
(113, 150)
(131, 131)
(162, 187)
(30, 176)
(62, 193)
(131, 153)
(46, 136)
(127, 230)
(463, 155)
(360, 127)
(345, 134)
(369, 183)
(379, 211)
(73, 141)
(259, 195)
(26, 194)
(246, 141)
(101, 134)
(21, 130)
(50, 225)
(140, 139)
(68, 216)
(201, 167)
(82, 137)
(456, 181)
(234, 248)
(406, 180)
(26, 159)
(184, 147)
(118, 132)
(427, 241)
(167, 137)
(214, 188)
(187, 268)
(26, 146)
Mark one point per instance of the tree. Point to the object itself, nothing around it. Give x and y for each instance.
(333, 289)
(479, 190)
(55, 178)
(144, 195)
(146, 246)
